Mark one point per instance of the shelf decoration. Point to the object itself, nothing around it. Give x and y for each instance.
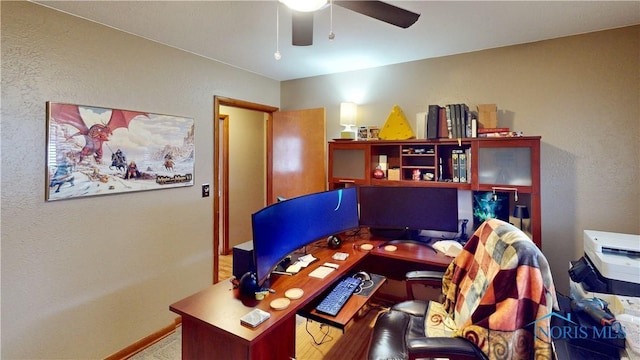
(487, 115)
(396, 127)
(100, 151)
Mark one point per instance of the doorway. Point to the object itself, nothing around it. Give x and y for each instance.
(221, 170)
(294, 160)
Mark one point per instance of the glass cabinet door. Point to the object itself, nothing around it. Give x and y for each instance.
(508, 163)
(504, 166)
(348, 164)
(511, 167)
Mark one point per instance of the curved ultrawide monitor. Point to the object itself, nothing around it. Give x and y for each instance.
(283, 227)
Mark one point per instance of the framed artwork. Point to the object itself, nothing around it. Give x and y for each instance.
(368, 132)
(487, 205)
(374, 131)
(95, 151)
(363, 133)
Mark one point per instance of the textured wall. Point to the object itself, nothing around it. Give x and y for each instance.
(580, 93)
(85, 278)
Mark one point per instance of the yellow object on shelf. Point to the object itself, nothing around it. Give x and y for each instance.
(396, 127)
(393, 174)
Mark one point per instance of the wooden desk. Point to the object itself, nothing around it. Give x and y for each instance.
(211, 318)
(413, 253)
(408, 257)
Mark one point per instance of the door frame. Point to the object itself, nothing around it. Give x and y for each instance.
(223, 193)
(224, 179)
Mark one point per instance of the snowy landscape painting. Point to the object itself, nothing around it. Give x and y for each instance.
(100, 151)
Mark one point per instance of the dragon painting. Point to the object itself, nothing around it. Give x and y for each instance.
(95, 135)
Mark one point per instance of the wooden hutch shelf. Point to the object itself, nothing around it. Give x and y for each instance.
(510, 164)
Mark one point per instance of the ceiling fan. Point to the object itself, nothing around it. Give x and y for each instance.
(302, 15)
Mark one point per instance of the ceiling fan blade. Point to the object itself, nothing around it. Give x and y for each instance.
(301, 28)
(382, 11)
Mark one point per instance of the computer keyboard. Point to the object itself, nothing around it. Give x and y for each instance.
(335, 300)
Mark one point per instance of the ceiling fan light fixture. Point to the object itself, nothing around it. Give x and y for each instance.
(304, 5)
(277, 54)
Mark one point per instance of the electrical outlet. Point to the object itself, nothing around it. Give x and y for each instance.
(205, 190)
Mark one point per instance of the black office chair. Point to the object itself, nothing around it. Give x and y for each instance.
(498, 292)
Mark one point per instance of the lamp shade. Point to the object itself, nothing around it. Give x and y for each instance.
(304, 5)
(521, 212)
(348, 112)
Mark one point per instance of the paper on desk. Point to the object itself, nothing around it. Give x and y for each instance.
(294, 268)
(321, 272)
(628, 304)
(305, 260)
(448, 247)
(255, 317)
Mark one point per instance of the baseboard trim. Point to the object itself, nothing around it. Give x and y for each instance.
(145, 342)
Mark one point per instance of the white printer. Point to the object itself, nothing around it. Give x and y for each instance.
(610, 270)
(611, 263)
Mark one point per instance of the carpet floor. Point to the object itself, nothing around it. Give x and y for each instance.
(167, 348)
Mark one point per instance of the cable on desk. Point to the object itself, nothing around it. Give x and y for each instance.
(324, 335)
(352, 234)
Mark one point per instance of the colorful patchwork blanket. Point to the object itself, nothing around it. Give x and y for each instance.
(498, 293)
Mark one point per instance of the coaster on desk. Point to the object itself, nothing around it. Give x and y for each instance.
(280, 303)
(366, 247)
(391, 248)
(293, 294)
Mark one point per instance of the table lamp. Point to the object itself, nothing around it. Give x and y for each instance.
(521, 212)
(348, 112)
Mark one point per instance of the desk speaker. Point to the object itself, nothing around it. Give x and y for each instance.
(243, 259)
(334, 242)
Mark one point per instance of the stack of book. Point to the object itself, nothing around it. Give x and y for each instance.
(498, 132)
(461, 165)
(453, 121)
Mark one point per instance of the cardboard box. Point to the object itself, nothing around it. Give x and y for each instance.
(393, 174)
(487, 116)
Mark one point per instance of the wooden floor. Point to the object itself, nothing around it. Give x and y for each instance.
(311, 341)
(352, 344)
(225, 266)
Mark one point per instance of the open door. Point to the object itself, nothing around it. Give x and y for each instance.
(298, 147)
(295, 157)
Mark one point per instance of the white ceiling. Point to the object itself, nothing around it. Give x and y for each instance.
(243, 33)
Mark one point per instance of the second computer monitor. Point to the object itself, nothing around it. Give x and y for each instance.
(409, 208)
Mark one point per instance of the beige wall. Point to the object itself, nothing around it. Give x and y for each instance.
(247, 170)
(580, 93)
(84, 278)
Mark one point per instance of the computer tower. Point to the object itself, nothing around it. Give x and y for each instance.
(243, 259)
